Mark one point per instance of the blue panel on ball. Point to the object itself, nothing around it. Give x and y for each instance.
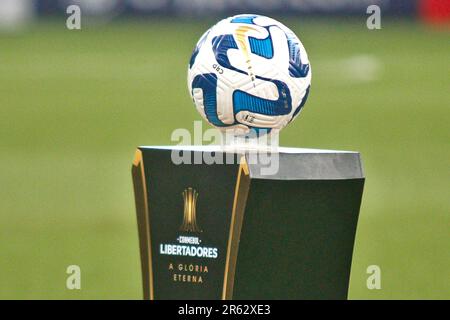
(302, 103)
(221, 44)
(193, 57)
(243, 101)
(197, 49)
(262, 47)
(208, 83)
(296, 68)
(243, 19)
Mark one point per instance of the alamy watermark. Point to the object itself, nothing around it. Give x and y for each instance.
(373, 282)
(73, 21)
(73, 281)
(259, 147)
(374, 20)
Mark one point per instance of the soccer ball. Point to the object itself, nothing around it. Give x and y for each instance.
(249, 72)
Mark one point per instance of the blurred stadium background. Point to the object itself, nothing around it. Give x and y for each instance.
(75, 104)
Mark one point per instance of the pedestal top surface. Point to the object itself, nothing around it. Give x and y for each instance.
(229, 148)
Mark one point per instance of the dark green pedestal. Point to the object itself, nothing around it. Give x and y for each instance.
(222, 231)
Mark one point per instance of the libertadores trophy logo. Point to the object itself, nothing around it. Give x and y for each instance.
(189, 224)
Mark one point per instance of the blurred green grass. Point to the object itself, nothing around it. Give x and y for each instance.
(74, 104)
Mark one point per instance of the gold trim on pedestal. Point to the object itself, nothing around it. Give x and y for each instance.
(142, 211)
(237, 217)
